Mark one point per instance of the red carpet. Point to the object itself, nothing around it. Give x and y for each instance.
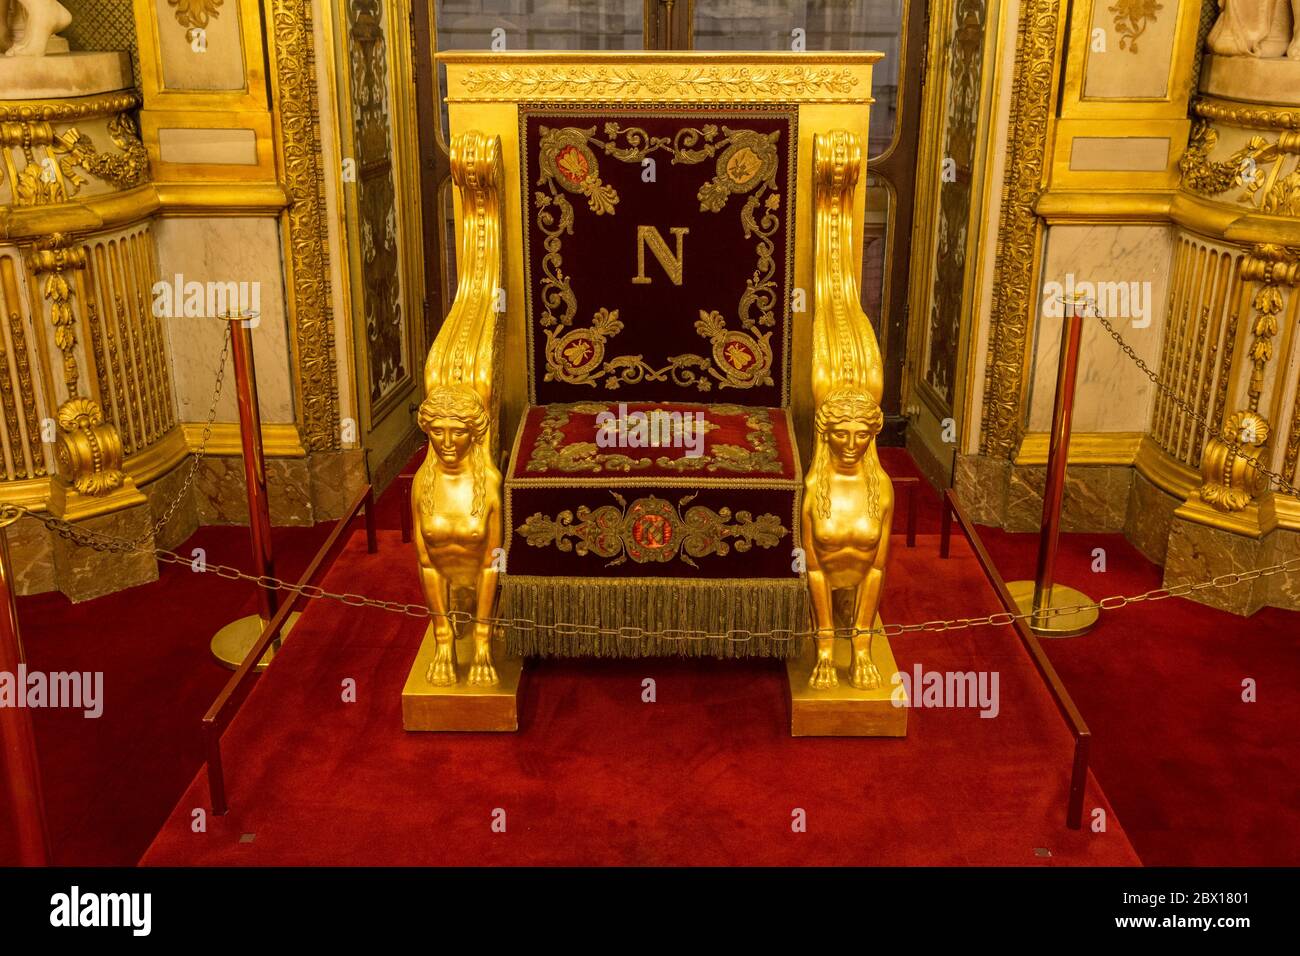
(1198, 776)
(706, 775)
(110, 782)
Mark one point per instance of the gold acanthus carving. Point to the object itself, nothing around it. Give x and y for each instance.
(456, 496)
(848, 500)
(1229, 480)
(73, 150)
(89, 451)
(1033, 89)
(298, 116)
(698, 82)
(1131, 18)
(1256, 167)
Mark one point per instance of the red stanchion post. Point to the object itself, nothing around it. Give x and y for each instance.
(233, 642)
(1043, 593)
(22, 772)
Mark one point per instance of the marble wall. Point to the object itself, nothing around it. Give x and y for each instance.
(224, 250)
(1112, 394)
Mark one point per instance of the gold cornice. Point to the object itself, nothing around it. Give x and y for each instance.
(63, 110)
(159, 458)
(1066, 206)
(221, 199)
(279, 440)
(645, 76)
(1246, 115)
(1086, 448)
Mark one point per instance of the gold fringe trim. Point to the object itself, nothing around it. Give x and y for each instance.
(655, 604)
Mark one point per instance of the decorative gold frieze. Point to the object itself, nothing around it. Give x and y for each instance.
(688, 83)
(1241, 114)
(1014, 290)
(652, 530)
(57, 111)
(54, 177)
(297, 113)
(1257, 167)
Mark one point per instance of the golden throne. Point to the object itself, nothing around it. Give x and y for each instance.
(657, 325)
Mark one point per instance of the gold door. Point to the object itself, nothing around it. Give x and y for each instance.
(379, 186)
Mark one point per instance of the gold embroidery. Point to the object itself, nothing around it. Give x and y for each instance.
(550, 452)
(746, 162)
(652, 530)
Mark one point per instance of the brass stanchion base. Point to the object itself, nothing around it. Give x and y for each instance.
(1058, 625)
(231, 644)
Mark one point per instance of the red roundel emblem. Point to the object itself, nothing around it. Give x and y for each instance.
(572, 165)
(653, 532)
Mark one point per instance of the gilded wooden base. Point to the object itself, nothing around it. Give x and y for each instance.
(845, 711)
(462, 706)
(231, 644)
(1058, 625)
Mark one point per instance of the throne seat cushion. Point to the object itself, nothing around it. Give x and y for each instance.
(653, 516)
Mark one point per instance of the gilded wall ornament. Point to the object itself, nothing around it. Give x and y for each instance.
(1257, 167)
(1032, 96)
(298, 118)
(1131, 19)
(652, 530)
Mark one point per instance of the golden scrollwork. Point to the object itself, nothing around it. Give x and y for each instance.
(1032, 91)
(652, 530)
(466, 349)
(1131, 17)
(89, 451)
(745, 162)
(298, 117)
(1228, 481)
(687, 83)
(37, 182)
(848, 499)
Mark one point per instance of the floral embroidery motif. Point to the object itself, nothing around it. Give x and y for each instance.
(652, 530)
(746, 162)
(551, 453)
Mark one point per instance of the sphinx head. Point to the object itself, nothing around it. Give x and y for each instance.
(848, 421)
(456, 421)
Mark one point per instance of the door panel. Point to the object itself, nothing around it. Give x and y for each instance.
(896, 28)
(383, 225)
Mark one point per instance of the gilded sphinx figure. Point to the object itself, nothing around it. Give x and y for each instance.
(848, 506)
(456, 511)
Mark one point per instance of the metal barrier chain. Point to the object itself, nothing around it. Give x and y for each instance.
(1183, 406)
(197, 458)
(108, 543)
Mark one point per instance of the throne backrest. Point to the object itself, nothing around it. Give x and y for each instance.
(657, 218)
